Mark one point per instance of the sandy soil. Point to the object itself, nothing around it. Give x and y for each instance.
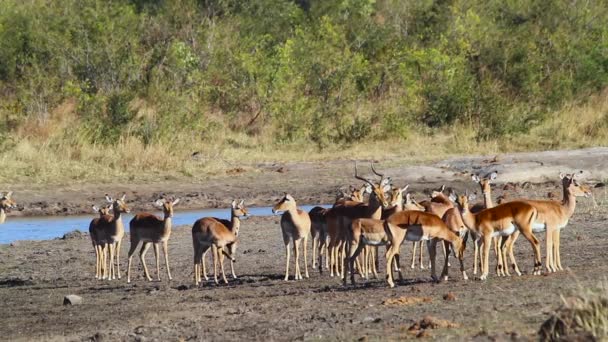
(259, 305)
(310, 183)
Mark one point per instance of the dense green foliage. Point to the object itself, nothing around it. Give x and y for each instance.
(299, 71)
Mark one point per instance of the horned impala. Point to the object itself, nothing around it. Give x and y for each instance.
(6, 202)
(151, 229)
(221, 236)
(419, 226)
(502, 220)
(295, 226)
(340, 217)
(552, 217)
(98, 239)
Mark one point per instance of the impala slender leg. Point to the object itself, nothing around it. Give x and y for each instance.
(315, 240)
(287, 261)
(157, 258)
(197, 261)
(556, 244)
(421, 249)
(477, 260)
(511, 243)
(97, 265)
(112, 271)
(432, 247)
(296, 250)
(142, 257)
(118, 244)
(167, 259)
(487, 243)
(414, 247)
(536, 247)
(204, 262)
(503, 252)
(215, 255)
(446, 262)
(389, 257)
(130, 258)
(221, 257)
(305, 245)
(549, 249)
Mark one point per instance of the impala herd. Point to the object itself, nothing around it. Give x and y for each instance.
(350, 232)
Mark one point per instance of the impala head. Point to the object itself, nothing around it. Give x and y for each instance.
(397, 195)
(485, 182)
(572, 186)
(166, 204)
(357, 194)
(6, 202)
(118, 204)
(463, 201)
(438, 192)
(238, 208)
(286, 203)
(378, 190)
(103, 210)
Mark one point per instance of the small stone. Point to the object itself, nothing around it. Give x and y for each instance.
(449, 296)
(72, 300)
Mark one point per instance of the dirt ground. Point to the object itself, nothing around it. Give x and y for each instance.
(36, 275)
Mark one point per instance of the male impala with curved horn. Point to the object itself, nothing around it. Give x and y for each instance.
(502, 220)
(340, 217)
(151, 229)
(220, 235)
(552, 217)
(295, 226)
(6, 202)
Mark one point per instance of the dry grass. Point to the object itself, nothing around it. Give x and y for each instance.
(58, 157)
(581, 317)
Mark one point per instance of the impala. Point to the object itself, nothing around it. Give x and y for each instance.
(502, 220)
(295, 226)
(552, 217)
(151, 229)
(112, 230)
(219, 235)
(6, 202)
(486, 189)
(339, 218)
(419, 226)
(98, 239)
(318, 229)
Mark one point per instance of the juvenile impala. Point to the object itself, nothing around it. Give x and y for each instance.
(111, 230)
(502, 220)
(151, 229)
(486, 189)
(219, 235)
(98, 239)
(6, 202)
(552, 217)
(295, 226)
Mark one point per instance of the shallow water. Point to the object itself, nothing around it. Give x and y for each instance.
(49, 227)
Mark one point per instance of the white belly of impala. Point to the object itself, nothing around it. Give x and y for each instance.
(505, 232)
(373, 240)
(538, 227)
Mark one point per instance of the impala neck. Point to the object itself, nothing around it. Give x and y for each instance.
(2, 215)
(374, 207)
(569, 201)
(235, 223)
(118, 221)
(487, 199)
(468, 218)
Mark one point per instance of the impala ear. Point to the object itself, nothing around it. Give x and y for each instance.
(561, 175)
(493, 175)
(123, 197)
(475, 178)
(175, 201)
(159, 202)
(241, 203)
(442, 188)
(109, 199)
(472, 197)
(453, 197)
(404, 189)
(368, 189)
(386, 188)
(233, 204)
(10, 193)
(95, 209)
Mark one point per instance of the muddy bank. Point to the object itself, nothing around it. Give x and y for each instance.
(36, 275)
(310, 183)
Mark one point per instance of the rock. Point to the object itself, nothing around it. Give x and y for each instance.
(72, 300)
(75, 234)
(450, 296)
